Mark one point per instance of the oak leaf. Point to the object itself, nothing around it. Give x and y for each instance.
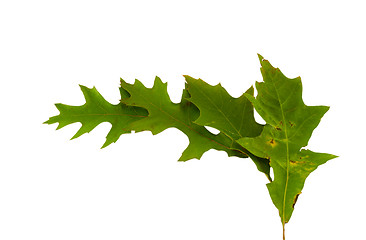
(97, 110)
(164, 114)
(290, 124)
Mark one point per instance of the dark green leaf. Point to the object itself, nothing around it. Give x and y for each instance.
(232, 116)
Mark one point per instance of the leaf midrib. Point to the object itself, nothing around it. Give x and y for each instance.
(287, 156)
(106, 114)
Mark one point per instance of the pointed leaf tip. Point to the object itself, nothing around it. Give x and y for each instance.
(106, 144)
(250, 90)
(82, 87)
(189, 80)
(187, 77)
(260, 57)
(158, 79)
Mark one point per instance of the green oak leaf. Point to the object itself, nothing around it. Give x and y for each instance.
(290, 124)
(97, 110)
(232, 116)
(164, 114)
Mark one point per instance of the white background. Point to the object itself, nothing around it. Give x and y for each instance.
(53, 188)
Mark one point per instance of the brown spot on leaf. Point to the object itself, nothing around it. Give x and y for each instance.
(297, 162)
(272, 142)
(297, 196)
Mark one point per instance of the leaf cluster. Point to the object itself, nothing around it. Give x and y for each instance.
(279, 144)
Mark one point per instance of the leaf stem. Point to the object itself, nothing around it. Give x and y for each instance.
(283, 229)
